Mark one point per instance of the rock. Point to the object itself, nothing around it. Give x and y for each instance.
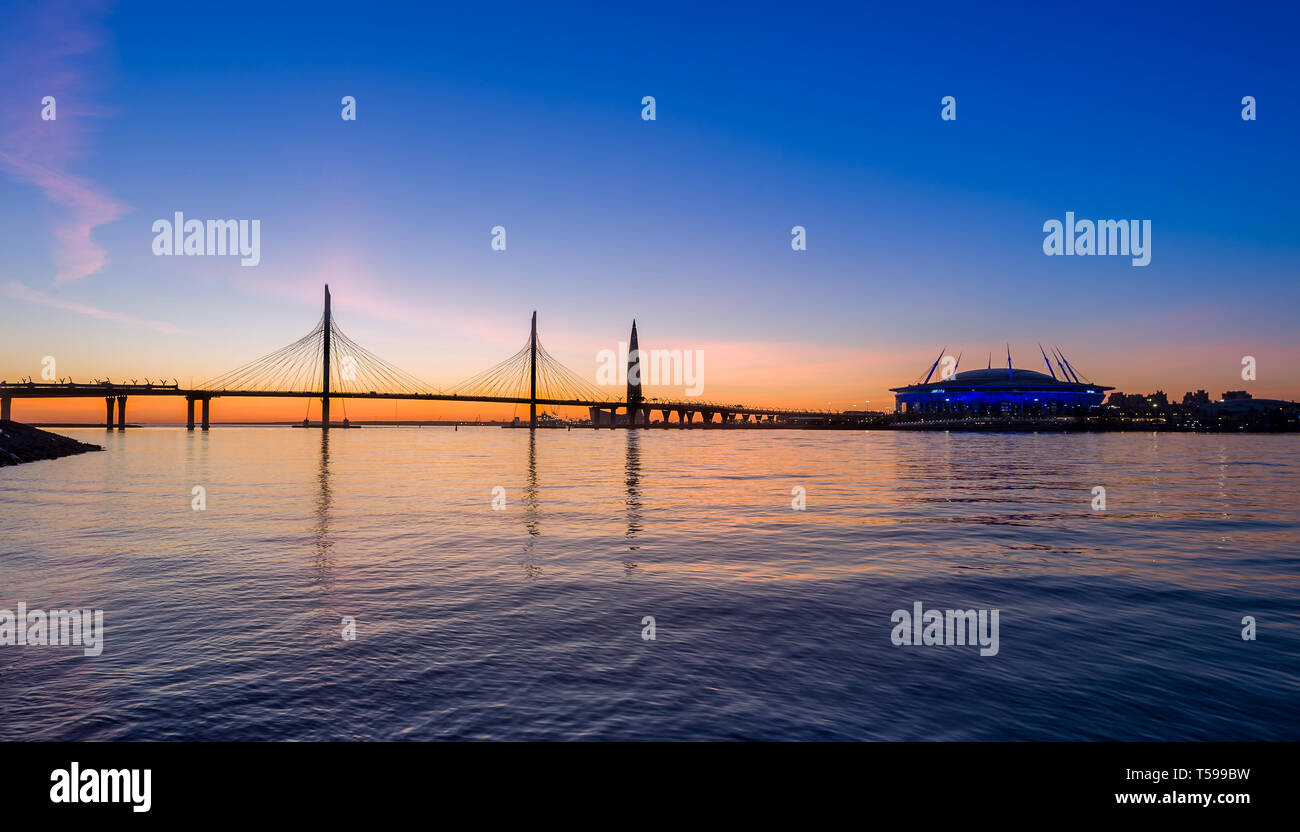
(22, 443)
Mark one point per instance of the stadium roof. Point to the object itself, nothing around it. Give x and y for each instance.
(1001, 376)
(1068, 380)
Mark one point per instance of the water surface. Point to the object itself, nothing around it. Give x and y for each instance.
(771, 623)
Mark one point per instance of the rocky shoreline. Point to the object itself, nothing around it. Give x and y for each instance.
(21, 443)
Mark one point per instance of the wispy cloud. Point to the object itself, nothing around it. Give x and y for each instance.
(48, 50)
(18, 291)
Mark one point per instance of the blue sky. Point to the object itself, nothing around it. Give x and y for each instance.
(921, 232)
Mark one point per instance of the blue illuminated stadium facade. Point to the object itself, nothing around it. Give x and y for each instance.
(1001, 392)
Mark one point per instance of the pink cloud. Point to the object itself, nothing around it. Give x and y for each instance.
(45, 53)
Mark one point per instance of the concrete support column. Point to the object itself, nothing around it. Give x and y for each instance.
(108, 420)
(6, 408)
(121, 412)
(613, 417)
(189, 413)
(594, 412)
(206, 423)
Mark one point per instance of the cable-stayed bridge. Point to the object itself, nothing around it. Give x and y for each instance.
(326, 364)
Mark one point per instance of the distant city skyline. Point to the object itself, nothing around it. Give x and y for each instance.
(920, 232)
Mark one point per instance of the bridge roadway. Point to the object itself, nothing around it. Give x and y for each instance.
(601, 412)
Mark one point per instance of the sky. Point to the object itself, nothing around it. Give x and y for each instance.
(922, 233)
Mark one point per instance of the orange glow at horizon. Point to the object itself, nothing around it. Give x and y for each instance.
(779, 374)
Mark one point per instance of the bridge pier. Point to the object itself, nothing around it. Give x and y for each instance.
(108, 420)
(598, 415)
(121, 412)
(189, 413)
(205, 414)
(6, 408)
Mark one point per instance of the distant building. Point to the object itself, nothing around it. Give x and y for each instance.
(1197, 399)
(1241, 411)
(1133, 403)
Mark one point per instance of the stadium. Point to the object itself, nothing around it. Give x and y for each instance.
(1001, 392)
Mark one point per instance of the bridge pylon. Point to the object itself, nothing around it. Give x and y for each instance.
(634, 395)
(325, 381)
(532, 371)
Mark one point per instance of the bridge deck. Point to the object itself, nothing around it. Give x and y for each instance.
(74, 390)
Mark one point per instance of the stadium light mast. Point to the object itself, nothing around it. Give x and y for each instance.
(1067, 370)
(1064, 375)
(932, 366)
(1049, 364)
(1071, 369)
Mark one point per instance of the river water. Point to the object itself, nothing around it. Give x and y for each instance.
(531, 619)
